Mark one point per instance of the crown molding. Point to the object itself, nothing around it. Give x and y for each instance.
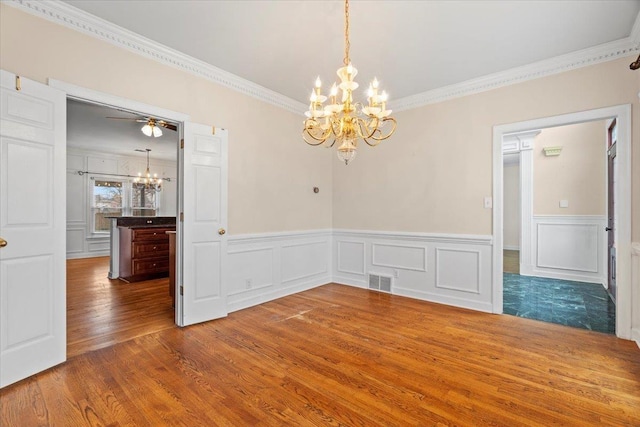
(571, 61)
(76, 19)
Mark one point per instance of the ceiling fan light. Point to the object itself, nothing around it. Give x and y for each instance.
(157, 131)
(147, 130)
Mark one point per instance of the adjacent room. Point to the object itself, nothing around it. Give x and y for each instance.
(309, 213)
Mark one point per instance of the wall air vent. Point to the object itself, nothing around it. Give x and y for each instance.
(380, 283)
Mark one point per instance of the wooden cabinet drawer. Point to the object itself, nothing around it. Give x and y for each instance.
(148, 234)
(146, 250)
(150, 265)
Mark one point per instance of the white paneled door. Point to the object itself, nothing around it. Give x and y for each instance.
(32, 225)
(204, 225)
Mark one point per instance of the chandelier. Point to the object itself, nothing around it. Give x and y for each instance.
(146, 180)
(346, 122)
(151, 129)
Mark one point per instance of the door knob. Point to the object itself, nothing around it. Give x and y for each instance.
(222, 231)
(3, 242)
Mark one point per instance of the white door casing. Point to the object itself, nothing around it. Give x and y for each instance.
(623, 201)
(32, 221)
(204, 239)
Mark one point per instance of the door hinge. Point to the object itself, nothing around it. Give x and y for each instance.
(182, 143)
(213, 130)
(181, 216)
(181, 290)
(18, 84)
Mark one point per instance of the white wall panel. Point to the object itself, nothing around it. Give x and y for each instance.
(399, 256)
(76, 190)
(249, 269)
(102, 164)
(458, 270)
(569, 247)
(304, 260)
(75, 240)
(350, 257)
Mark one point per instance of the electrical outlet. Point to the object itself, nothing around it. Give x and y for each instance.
(249, 283)
(396, 273)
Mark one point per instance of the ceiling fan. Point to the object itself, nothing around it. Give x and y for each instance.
(151, 125)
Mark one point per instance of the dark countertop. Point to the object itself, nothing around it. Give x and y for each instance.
(145, 221)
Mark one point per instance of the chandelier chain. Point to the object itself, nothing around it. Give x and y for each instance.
(347, 44)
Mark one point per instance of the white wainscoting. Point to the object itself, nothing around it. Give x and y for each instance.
(447, 269)
(263, 267)
(635, 291)
(570, 247)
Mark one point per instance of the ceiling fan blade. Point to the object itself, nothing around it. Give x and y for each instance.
(167, 125)
(123, 118)
(131, 119)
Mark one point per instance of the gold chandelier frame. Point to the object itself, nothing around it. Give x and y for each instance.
(347, 121)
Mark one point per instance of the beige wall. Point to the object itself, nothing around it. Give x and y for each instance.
(511, 188)
(271, 171)
(577, 175)
(432, 175)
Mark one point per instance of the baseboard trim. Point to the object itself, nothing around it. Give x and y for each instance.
(443, 299)
(262, 298)
(79, 255)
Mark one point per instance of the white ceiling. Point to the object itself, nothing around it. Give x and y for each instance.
(411, 46)
(88, 128)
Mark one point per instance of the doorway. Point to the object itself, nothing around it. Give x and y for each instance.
(622, 190)
(106, 152)
(564, 280)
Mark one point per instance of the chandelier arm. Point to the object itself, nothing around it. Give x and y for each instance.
(369, 134)
(393, 129)
(371, 144)
(318, 141)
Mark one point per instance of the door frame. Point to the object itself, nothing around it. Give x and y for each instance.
(623, 191)
(93, 96)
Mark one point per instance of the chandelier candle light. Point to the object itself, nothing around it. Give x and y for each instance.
(346, 122)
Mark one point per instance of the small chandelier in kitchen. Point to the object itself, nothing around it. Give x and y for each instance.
(346, 122)
(146, 180)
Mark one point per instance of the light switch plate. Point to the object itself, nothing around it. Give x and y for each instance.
(564, 203)
(488, 202)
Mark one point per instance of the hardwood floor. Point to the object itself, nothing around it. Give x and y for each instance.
(102, 312)
(337, 355)
(511, 261)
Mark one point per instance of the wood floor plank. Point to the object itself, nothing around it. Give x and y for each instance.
(102, 312)
(342, 356)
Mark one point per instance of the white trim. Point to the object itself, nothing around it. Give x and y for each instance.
(635, 293)
(97, 97)
(623, 181)
(571, 61)
(511, 248)
(475, 239)
(278, 235)
(71, 17)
